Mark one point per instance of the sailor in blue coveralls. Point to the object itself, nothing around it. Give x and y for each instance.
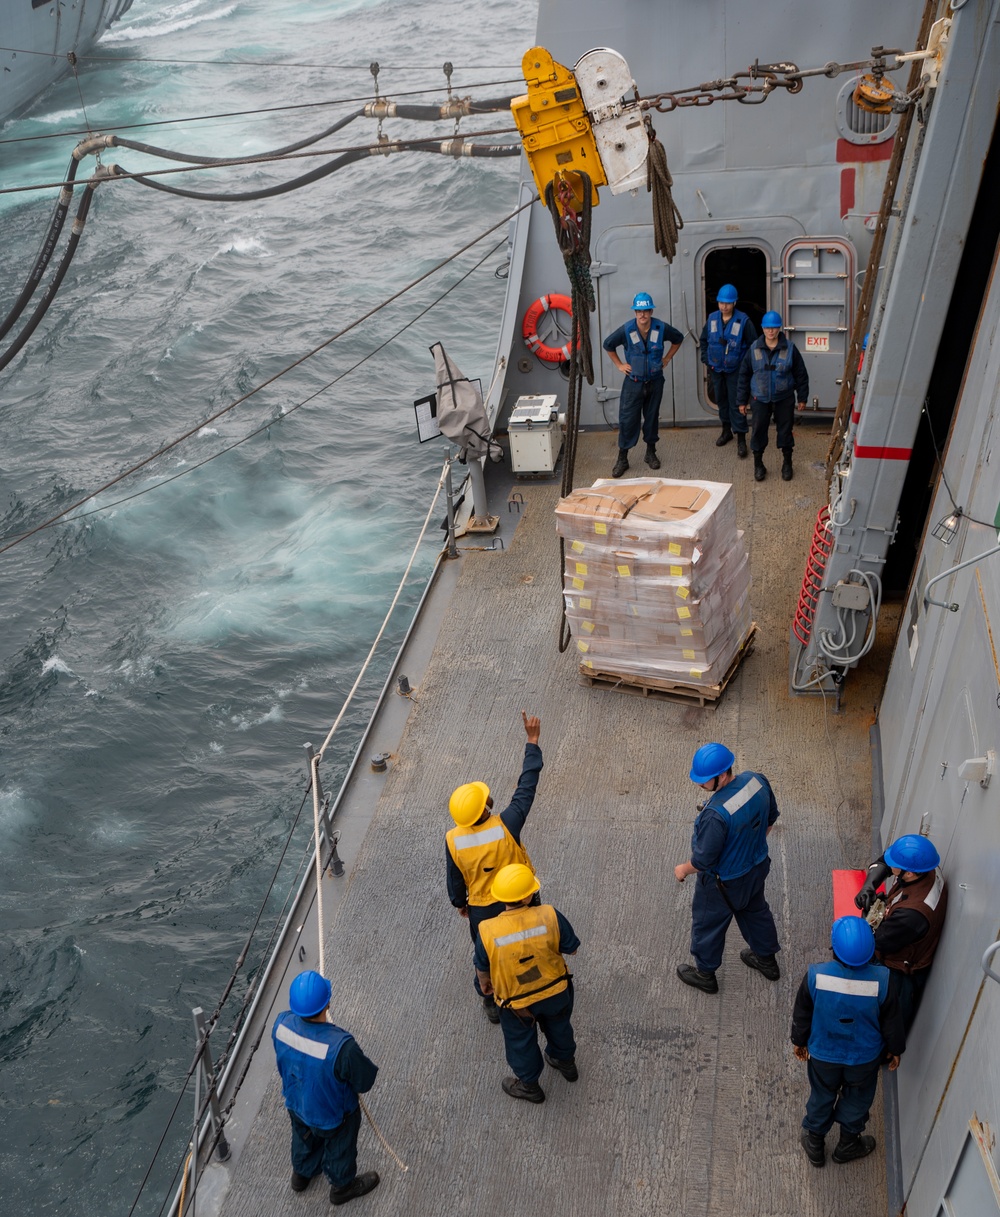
(322, 1073)
(725, 338)
(729, 856)
(772, 377)
(847, 1023)
(482, 843)
(642, 389)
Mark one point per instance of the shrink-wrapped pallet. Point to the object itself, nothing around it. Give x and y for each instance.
(657, 582)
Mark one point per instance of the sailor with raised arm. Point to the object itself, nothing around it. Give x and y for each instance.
(481, 843)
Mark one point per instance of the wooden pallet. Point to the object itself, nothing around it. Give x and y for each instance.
(663, 689)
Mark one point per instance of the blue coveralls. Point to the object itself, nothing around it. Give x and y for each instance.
(322, 1073)
(772, 381)
(551, 1014)
(849, 1019)
(513, 816)
(642, 388)
(722, 347)
(729, 845)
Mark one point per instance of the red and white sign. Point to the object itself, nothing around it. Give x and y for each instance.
(817, 342)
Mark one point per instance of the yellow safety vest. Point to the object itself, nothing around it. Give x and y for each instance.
(480, 851)
(522, 946)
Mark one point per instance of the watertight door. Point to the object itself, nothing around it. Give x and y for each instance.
(624, 263)
(818, 274)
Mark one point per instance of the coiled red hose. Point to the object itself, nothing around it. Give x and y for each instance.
(812, 581)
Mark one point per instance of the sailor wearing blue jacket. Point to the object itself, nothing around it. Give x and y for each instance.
(846, 1024)
(727, 335)
(729, 856)
(322, 1073)
(772, 377)
(643, 341)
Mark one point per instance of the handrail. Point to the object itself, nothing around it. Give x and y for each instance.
(987, 955)
(953, 608)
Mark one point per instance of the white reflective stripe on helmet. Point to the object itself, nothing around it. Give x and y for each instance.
(484, 837)
(853, 988)
(301, 1043)
(535, 931)
(742, 797)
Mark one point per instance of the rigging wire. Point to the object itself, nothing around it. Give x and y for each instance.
(959, 511)
(264, 384)
(291, 409)
(263, 63)
(292, 107)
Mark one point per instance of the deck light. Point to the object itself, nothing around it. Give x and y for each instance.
(946, 530)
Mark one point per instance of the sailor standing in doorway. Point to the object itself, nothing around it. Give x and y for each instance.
(772, 376)
(729, 856)
(725, 338)
(642, 390)
(481, 843)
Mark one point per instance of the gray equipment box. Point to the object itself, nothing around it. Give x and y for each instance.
(535, 434)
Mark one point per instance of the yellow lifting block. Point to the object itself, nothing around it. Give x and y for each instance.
(553, 122)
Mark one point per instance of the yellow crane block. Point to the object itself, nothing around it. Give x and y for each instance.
(554, 125)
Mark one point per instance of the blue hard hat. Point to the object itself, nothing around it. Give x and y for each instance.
(308, 994)
(853, 941)
(710, 761)
(771, 320)
(912, 853)
(643, 300)
(727, 294)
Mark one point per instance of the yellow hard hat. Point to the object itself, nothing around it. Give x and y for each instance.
(514, 883)
(468, 803)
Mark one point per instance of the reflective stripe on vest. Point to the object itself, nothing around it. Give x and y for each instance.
(768, 383)
(855, 988)
(725, 343)
(747, 807)
(301, 1043)
(742, 797)
(479, 852)
(522, 946)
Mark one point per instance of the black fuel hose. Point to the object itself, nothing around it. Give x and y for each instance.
(42, 307)
(45, 251)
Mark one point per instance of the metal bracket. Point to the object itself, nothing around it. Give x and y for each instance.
(987, 956)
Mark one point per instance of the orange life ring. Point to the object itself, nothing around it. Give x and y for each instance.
(529, 327)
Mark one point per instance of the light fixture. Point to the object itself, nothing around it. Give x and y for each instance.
(946, 530)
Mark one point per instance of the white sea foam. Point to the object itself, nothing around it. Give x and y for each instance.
(136, 33)
(245, 245)
(55, 664)
(206, 431)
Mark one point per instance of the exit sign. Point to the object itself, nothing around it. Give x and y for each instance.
(817, 342)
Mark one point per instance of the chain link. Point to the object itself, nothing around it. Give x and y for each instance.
(762, 79)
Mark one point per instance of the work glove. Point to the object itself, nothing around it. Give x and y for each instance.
(866, 897)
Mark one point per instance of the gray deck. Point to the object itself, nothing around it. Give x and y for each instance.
(686, 1104)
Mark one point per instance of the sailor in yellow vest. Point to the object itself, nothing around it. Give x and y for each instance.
(481, 842)
(519, 958)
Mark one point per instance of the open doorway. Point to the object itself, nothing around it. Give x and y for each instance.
(746, 268)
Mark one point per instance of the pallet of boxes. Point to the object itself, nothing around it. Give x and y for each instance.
(657, 586)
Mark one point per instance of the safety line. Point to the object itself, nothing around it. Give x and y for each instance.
(263, 385)
(264, 63)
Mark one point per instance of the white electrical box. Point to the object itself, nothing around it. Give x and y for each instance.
(535, 434)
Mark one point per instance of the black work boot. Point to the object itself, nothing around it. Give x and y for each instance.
(814, 1146)
(360, 1186)
(741, 447)
(766, 965)
(298, 1182)
(523, 1090)
(490, 1006)
(852, 1145)
(651, 459)
(759, 472)
(698, 980)
(724, 438)
(567, 1068)
(621, 464)
(786, 466)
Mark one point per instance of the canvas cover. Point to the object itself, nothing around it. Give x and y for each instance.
(460, 411)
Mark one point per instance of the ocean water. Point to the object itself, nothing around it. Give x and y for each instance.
(163, 659)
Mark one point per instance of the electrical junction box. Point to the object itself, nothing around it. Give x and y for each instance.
(851, 596)
(535, 434)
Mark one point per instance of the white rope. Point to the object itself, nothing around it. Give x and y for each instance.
(314, 773)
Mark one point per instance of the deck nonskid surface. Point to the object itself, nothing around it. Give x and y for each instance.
(686, 1103)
